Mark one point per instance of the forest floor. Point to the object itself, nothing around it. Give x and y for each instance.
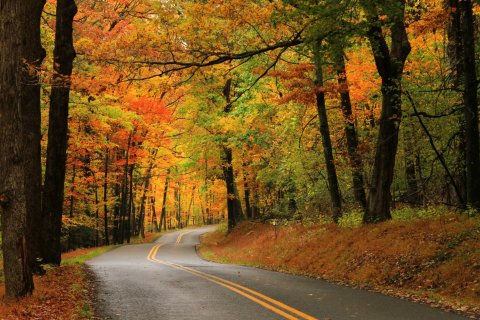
(63, 293)
(434, 260)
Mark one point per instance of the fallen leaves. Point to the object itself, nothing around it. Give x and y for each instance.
(399, 258)
(61, 294)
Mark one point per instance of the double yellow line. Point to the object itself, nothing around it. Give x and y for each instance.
(180, 236)
(271, 304)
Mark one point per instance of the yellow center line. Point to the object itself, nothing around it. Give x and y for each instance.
(180, 236)
(247, 293)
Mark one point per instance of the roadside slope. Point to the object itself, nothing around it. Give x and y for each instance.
(432, 260)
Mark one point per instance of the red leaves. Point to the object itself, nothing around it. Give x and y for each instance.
(153, 110)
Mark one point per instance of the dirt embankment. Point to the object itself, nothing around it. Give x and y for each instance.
(432, 260)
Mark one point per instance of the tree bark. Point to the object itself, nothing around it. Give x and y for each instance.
(246, 192)
(154, 214)
(325, 133)
(105, 197)
(53, 191)
(187, 221)
(124, 194)
(454, 44)
(234, 207)
(470, 100)
(20, 54)
(31, 118)
(130, 206)
(390, 63)
(163, 215)
(72, 190)
(350, 132)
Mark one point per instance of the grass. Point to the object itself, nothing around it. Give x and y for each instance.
(428, 256)
(82, 255)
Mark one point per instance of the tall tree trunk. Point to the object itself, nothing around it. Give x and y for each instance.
(141, 218)
(350, 132)
(163, 216)
(390, 63)
(154, 214)
(141, 215)
(124, 195)
(72, 190)
(31, 118)
(454, 44)
(105, 197)
(130, 206)
(19, 35)
(326, 140)
(116, 213)
(455, 59)
(470, 100)
(235, 214)
(53, 190)
(187, 220)
(234, 207)
(97, 226)
(178, 206)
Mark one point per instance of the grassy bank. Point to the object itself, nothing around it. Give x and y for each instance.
(431, 259)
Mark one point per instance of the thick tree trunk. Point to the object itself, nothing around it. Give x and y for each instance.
(350, 132)
(234, 207)
(326, 140)
(454, 44)
(455, 59)
(20, 51)
(53, 191)
(470, 100)
(390, 63)
(235, 214)
(31, 118)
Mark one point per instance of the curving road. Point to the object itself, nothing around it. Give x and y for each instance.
(167, 280)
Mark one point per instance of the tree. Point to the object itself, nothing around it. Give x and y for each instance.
(53, 194)
(235, 213)
(470, 100)
(390, 62)
(325, 133)
(19, 34)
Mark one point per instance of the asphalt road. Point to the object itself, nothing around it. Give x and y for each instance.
(167, 280)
